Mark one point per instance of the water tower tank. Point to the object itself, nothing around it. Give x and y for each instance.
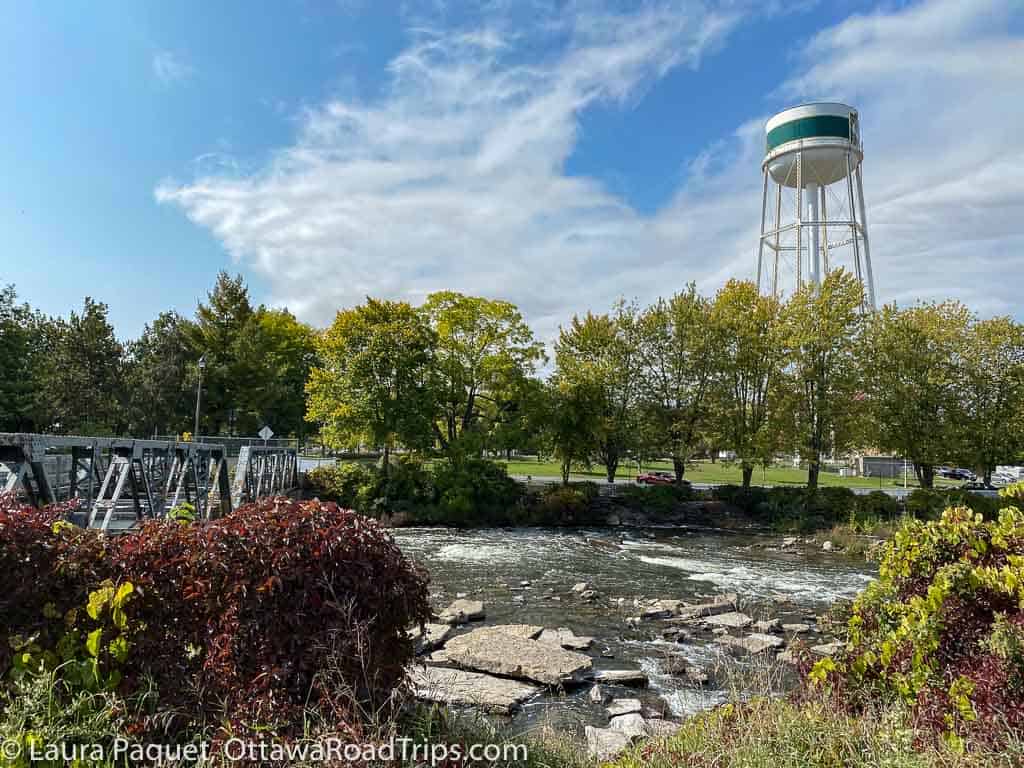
(822, 134)
(813, 218)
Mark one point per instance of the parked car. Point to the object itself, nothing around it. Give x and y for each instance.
(658, 478)
(980, 488)
(961, 474)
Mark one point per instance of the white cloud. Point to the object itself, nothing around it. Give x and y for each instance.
(455, 178)
(169, 67)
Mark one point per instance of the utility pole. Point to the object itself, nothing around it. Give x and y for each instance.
(199, 393)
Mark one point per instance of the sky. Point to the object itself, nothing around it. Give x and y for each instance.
(556, 155)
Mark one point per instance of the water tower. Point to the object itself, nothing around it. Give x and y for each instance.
(812, 217)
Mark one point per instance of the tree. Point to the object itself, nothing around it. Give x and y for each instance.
(275, 352)
(215, 334)
(914, 382)
(748, 363)
(600, 354)
(372, 381)
(569, 418)
(822, 328)
(678, 347)
(82, 380)
(993, 369)
(20, 344)
(485, 354)
(160, 388)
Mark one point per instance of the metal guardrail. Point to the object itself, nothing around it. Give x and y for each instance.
(120, 481)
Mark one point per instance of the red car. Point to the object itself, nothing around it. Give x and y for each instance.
(656, 478)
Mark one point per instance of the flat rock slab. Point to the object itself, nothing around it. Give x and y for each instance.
(605, 743)
(430, 637)
(494, 650)
(633, 725)
(624, 707)
(661, 609)
(731, 620)
(462, 611)
(564, 638)
(827, 649)
(721, 604)
(633, 678)
(526, 631)
(752, 644)
(796, 629)
(456, 687)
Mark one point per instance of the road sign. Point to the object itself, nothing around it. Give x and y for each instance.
(266, 433)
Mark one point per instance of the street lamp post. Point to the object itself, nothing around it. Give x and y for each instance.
(199, 392)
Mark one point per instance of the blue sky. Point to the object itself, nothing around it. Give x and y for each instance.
(558, 155)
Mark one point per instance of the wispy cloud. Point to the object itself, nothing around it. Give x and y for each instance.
(169, 67)
(455, 178)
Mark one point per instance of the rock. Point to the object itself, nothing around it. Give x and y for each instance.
(628, 677)
(768, 625)
(796, 629)
(827, 649)
(827, 546)
(490, 649)
(607, 653)
(527, 631)
(462, 611)
(633, 725)
(719, 631)
(633, 622)
(555, 599)
(722, 604)
(752, 644)
(460, 688)
(675, 666)
(697, 676)
(580, 587)
(605, 743)
(661, 609)
(431, 636)
(439, 656)
(597, 694)
(732, 620)
(524, 584)
(518, 599)
(624, 707)
(565, 638)
(789, 541)
(588, 595)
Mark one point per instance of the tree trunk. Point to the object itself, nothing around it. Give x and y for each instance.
(987, 473)
(566, 465)
(813, 468)
(925, 474)
(611, 466)
(680, 467)
(748, 472)
(386, 467)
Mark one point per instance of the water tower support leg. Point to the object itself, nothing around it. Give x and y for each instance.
(824, 233)
(854, 233)
(760, 244)
(778, 223)
(815, 252)
(867, 247)
(799, 224)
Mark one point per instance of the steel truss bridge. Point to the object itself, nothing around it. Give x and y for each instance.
(120, 482)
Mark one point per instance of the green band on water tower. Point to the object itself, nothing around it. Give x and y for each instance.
(817, 126)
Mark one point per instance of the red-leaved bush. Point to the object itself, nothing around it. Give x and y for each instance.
(247, 619)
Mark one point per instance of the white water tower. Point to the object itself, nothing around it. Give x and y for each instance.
(812, 217)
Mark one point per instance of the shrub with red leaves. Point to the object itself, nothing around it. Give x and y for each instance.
(242, 616)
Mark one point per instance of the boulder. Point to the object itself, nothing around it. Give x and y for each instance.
(605, 743)
(827, 649)
(491, 649)
(462, 611)
(789, 541)
(565, 638)
(430, 636)
(731, 620)
(580, 587)
(697, 676)
(722, 604)
(827, 546)
(597, 695)
(796, 629)
(633, 725)
(456, 687)
(752, 644)
(768, 625)
(661, 609)
(632, 678)
(589, 595)
(624, 707)
(675, 666)
(657, 728)
(528, 631)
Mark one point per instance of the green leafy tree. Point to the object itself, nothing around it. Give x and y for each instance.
(83, 377)
(600, 354)
(914, 382)
(160, 391)
(484, 357)
(21, 340)
(678, 346)
(993, 370)
(749, 361)
(569, 417)
(274, 354)
(372, 382)
(822, 330)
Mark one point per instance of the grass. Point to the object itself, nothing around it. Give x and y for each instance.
(717, 474)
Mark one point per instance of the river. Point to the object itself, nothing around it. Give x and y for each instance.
(526, 576)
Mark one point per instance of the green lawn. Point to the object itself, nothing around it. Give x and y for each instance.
(718, 473)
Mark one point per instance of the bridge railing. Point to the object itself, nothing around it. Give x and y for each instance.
(121, 481)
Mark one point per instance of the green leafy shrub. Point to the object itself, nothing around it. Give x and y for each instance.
(474, 491)
(930, 503)
(342, 482)
(564, 504)
(942, 630)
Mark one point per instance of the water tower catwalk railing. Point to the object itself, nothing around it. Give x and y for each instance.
(119, 482)
(813, 190)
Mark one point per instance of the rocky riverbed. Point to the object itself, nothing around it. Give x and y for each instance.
(614, 634)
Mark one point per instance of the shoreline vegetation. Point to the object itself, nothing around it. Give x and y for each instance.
(147, 637)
